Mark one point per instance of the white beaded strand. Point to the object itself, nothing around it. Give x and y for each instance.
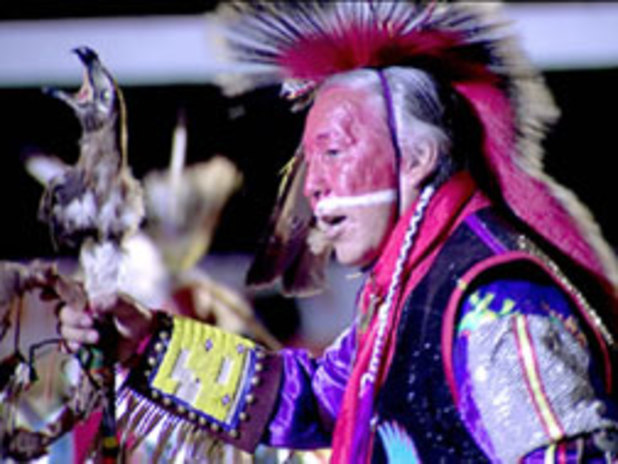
(370, 376)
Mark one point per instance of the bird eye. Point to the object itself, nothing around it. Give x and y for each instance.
(106, 95)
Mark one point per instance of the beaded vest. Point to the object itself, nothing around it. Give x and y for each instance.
(416, 392)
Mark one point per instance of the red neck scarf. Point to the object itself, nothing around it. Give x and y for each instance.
(456, 199)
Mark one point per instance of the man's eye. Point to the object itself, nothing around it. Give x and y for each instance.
(332, 152)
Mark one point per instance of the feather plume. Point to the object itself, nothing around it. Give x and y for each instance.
(465, 45)
(182, 221)
(284, 255)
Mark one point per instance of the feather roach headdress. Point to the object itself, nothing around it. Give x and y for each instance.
(300, 44)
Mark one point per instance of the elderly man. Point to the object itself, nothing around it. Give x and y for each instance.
(479, 333)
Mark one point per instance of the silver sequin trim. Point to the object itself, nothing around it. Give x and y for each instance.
(500, 391)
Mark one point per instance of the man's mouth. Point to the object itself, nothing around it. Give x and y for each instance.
(332, 220)
(331, 224)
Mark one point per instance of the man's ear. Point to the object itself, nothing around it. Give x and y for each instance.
(419, 161)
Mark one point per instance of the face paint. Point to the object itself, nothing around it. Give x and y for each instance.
(326, 205)
(351, 182)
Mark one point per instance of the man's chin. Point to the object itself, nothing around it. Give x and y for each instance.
(350, 258)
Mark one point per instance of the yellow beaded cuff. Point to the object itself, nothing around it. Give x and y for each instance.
(220, 382)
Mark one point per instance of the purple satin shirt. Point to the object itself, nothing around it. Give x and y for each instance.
(311, 395)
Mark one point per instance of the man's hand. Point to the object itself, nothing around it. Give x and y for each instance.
(78, 325)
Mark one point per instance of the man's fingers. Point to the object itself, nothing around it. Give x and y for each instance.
(75, 335)
(130, 318)
(76, 327)
(70, 316)
(69, 347)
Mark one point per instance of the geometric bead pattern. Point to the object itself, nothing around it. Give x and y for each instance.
(206, 370)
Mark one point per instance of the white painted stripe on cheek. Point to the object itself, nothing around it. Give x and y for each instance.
(369, 199)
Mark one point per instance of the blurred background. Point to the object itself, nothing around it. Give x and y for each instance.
(160, 53)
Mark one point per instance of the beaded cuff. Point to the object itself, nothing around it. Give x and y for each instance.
(210, 380)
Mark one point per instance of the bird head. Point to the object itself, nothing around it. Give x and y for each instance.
(98, 102)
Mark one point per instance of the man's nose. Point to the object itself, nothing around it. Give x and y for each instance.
(316, 185)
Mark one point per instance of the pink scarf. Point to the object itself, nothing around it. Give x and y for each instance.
(459, 197)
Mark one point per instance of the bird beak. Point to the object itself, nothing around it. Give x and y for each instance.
(85, 94)
(86, 55)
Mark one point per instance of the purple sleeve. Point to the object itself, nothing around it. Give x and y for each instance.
(529, 385)
(311, 393)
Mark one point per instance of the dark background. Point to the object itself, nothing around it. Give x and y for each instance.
(259, 142)
(258, 133)
(34, 9)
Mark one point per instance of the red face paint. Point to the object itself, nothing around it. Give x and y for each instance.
(351, 163)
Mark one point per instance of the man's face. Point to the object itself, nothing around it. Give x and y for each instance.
(351, 182)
